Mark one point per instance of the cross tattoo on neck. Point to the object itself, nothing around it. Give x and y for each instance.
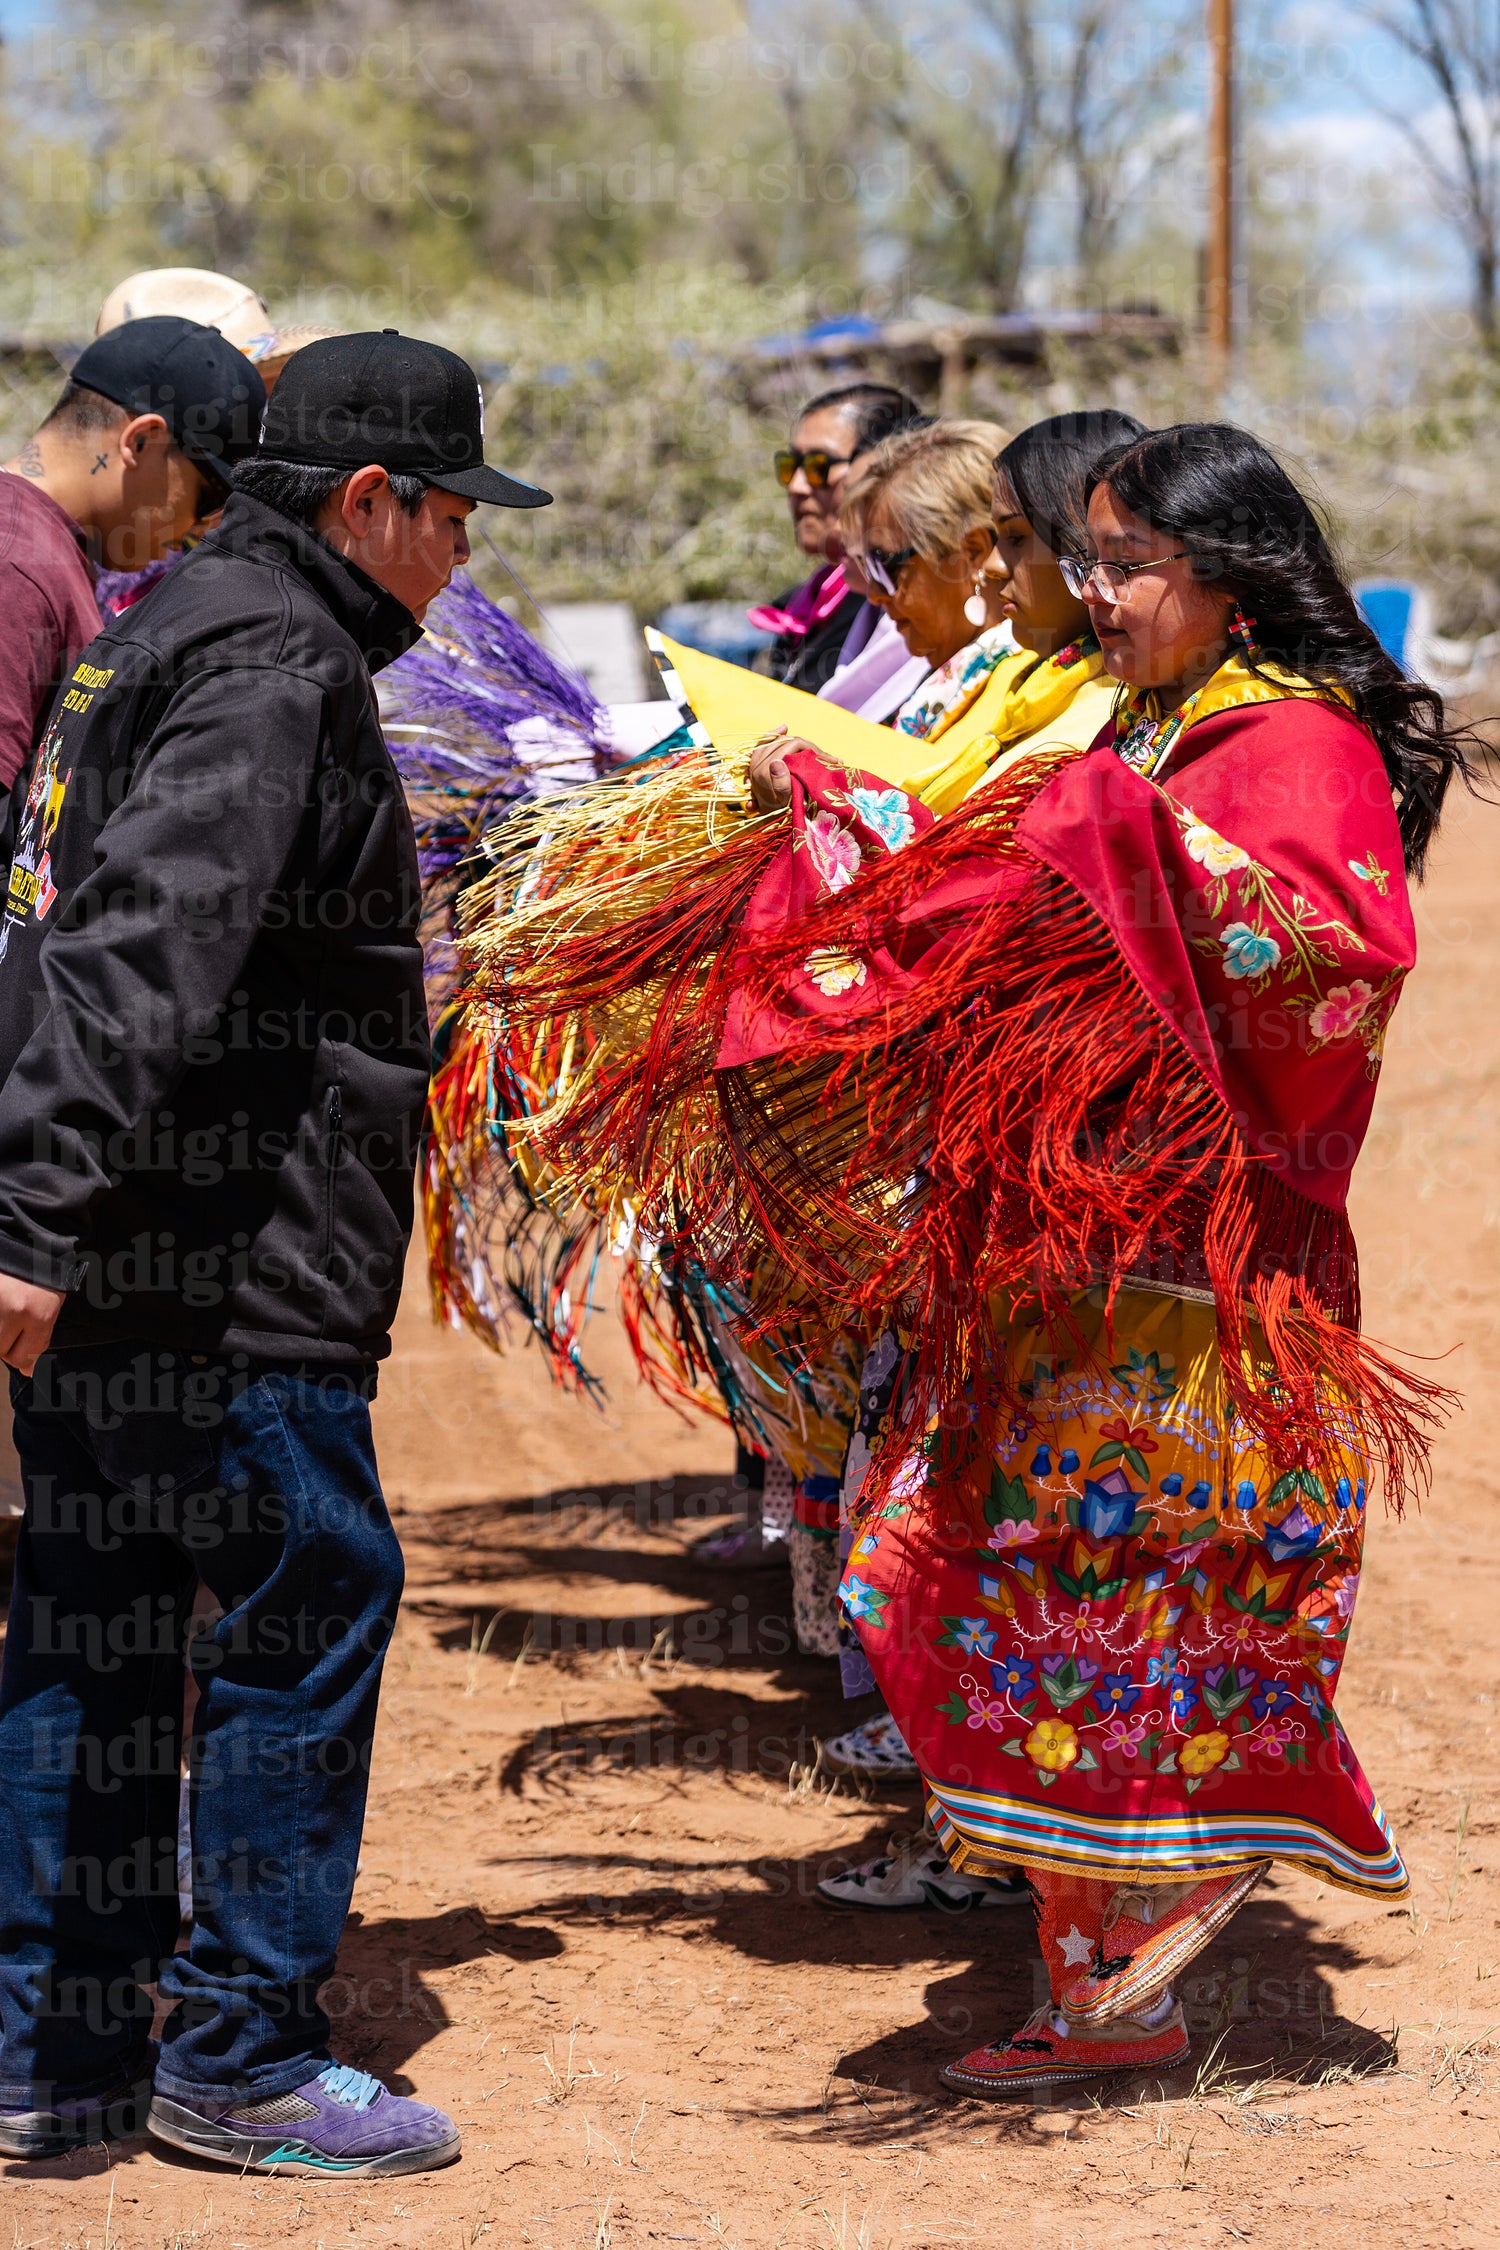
(101, 461)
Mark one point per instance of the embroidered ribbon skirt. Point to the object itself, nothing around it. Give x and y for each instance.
(1112, 1634)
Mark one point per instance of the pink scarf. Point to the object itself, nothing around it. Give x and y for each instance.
(812, 604)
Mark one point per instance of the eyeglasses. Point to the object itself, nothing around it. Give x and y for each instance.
(1111, 578)
(815, 466)
(883, 567)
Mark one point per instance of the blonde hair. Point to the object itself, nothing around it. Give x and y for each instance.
(938, 483)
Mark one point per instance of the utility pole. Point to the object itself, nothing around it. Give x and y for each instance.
(1220, 269)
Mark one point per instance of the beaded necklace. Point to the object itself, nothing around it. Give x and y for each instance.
(1076, 651)
(1143, 744)
(1144, 736)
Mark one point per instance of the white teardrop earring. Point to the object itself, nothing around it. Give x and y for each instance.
(975, 608)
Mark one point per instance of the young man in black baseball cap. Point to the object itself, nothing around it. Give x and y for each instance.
(138, 449)
(214, 1050)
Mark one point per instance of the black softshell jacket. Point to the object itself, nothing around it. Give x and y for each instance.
(213, 1040)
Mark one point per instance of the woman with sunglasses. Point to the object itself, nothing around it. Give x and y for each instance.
(947, 488)
(1074, 1079)
(815, 621)
(917, 521)
(1054, 689)
(917, 524)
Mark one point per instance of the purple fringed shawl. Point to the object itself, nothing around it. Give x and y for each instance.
(461, 713)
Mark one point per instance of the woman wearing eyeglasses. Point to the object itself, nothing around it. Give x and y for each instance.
(1108, 1597)
(1051, 687)
(1073, 1081)
(814, 622)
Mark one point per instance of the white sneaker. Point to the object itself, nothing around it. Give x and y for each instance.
(917, 1874)
(877, 1747)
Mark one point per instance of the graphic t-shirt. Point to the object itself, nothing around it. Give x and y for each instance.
(48, 614)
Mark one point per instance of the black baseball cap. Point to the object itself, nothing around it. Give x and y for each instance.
(413, 408)
(208, 394)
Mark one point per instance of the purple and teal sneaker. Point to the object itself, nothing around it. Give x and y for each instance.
(116, 2113)
(341, 2121)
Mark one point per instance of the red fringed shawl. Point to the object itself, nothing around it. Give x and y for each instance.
(1085, 1027)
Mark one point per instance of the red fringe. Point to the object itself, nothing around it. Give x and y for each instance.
(1063, 1138)
(495, 1256)
(1011, 1120)
(670, 956)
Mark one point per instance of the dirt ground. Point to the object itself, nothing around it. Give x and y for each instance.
(585, 1920)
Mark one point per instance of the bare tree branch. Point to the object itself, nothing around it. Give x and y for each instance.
(1457, 44)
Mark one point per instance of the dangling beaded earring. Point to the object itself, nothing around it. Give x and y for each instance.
(1242, 629)
(975, 608)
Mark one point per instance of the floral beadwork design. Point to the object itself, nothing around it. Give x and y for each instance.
(1052, 1744)
(863, 1601)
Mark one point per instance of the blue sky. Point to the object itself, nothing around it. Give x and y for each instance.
(1339, 107)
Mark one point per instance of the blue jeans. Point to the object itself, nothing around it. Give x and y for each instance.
(145, 1471)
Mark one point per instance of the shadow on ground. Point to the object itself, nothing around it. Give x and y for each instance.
(718, 1624)
(382, 2007)
(1259, 2009)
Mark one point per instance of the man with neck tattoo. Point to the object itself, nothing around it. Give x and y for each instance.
(137, 450)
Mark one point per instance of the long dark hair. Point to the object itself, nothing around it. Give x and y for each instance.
(1047, 468)
(1225, 497)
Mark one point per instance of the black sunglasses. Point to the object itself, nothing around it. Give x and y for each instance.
(883, 565)
(815, 466)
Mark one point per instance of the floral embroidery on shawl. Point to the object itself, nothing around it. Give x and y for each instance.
(887, 812)
(1299, 944)
(835, 852)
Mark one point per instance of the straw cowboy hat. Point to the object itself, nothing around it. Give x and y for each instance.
(218, 301)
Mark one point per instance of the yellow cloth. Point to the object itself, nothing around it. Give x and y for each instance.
(1024, 695)
(736, 707)
(1029, 702)
(1229, 689)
